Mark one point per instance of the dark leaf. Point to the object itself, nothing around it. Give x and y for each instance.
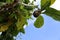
(22, 30)
(26, 1)
(55, 14)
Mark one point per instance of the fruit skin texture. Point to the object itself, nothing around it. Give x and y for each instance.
(37, 13)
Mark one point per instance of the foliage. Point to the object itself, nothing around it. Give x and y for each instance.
(15, 13)
(53, 13)
(39, 21)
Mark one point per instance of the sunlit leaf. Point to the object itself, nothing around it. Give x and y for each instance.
(52, 1)
(43, 2)
(21, 22)
(39, 22)
(4, 27)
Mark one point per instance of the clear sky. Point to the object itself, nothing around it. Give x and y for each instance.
(49, 31)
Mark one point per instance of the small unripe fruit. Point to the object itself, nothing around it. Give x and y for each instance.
(37, 13)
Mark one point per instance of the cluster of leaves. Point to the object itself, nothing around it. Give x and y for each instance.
(13, 16)
(53, 13)
(15, 13)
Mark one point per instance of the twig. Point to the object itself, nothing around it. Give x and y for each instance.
(12, 5)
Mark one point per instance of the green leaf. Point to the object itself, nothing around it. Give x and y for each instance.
(13, 30)
(45, 4)
(9, 1)
(52, 1)
(26, 1)
(21, 22)
(4, 27)
(55, 14)
(39, 22)
(29, 7)
(22, 30)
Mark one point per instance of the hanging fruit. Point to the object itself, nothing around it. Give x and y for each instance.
(37, 13)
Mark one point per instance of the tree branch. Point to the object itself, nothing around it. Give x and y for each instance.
(12, 5)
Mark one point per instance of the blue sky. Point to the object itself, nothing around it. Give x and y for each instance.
(49, 31)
